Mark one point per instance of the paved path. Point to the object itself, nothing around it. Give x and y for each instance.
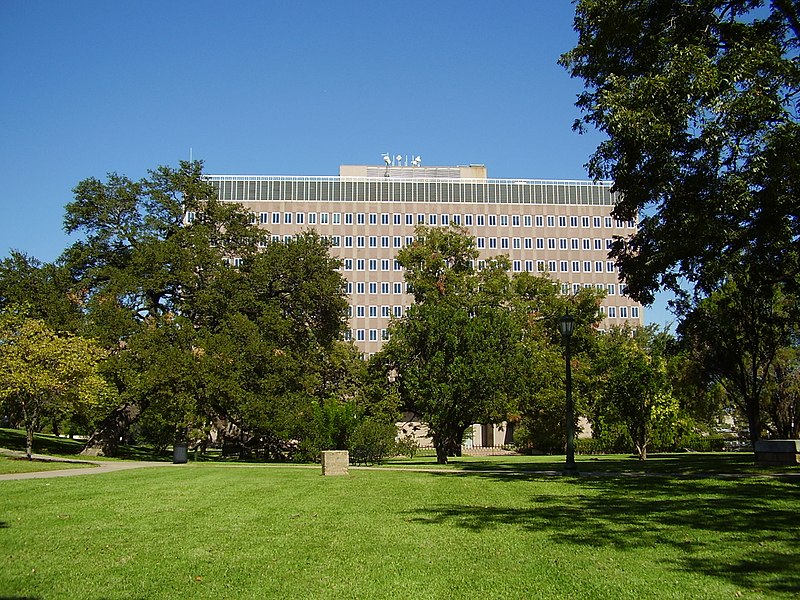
(92, 466)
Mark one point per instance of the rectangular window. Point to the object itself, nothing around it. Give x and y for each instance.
(360, 241)
(431, 219)
(576, 266)
(468, 220)
(312, 218)
(634, 312)
(397, 266)
(539, 221)
(610, 267)
(551, 266)
(587, 244)
(323, 218)
(612, 289)
(348, 218)
(481, 242)
(516, 243)
(540, 266)
(384, 287)
(563, 243)
(517, 266)
(360, 218)
(456, 219)
(360, 286)
(598, 266)
(551, 221)
(373, 287)
(504, 243)
(551, 243)
(337, 218)
(373, 241)
(397, 241)
(385, 241)
(373, 311)
(564, 266)
(373, 219)
(298, 218)
(576, 244)
(573, 221)
(276, 218)
(360, 264)
(540, 243)
(492, 220)
(420, 219)
(336, 241)
(612, 312)
(385, 312)
(529, 266)
(608, 222)
(348, 241)
(481, 220)
(623, 312)
(503, 220)
(587, 266)
(398, 311)
(445, 220)
(384, 264)
(562, 221)
(398, 287)
(526, 220)
(596, 221)
(397, 219)
(384, 218)
(584, 221)
(515, 220)
(409, 219)
(360, 335)
(373, 264)
(263, 218)
(598, 244)
(493, 243)
(360, 311)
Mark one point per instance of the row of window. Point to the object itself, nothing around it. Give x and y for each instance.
(397, 287)
(468, 220)
(530, 266)
(362, 335)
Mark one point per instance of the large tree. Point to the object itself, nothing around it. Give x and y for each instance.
(454, 347)
(699, 103)
(151, 250)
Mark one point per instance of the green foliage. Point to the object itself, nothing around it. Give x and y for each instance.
(632, 389)
(698, 103)
(373, 441)
(45, 375)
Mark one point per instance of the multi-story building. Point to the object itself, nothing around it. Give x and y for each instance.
(369, 213)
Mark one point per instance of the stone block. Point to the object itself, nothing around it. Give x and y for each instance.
(778, 452)
(335, 462)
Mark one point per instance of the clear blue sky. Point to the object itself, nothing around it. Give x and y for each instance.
(275, 87)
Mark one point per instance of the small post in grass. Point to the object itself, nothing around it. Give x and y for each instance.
(335, 462)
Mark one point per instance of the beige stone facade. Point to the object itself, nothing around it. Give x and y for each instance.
(370, 212)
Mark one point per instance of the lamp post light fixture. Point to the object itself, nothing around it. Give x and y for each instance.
(567, 326)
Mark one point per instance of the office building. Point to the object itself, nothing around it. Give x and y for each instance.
(370, 212)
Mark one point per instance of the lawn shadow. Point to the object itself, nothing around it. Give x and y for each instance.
(696, 517)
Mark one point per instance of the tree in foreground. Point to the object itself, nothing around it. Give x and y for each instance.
(631, 386)
(454, 347)
(699, 102)
(43, 374)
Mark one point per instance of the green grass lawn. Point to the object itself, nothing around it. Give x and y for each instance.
(225, 531)
(10, 464)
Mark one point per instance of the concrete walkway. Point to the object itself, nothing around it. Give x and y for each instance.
(92, 466)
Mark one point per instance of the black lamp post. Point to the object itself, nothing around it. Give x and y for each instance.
(567, 325)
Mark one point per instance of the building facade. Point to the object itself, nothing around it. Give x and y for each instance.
(370, 212)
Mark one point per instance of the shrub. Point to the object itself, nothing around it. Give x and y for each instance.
(372, 441)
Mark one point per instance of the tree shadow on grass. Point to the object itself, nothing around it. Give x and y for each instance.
(746, 532)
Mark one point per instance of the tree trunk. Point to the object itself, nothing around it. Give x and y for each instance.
(28, 440)
(106, 438)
